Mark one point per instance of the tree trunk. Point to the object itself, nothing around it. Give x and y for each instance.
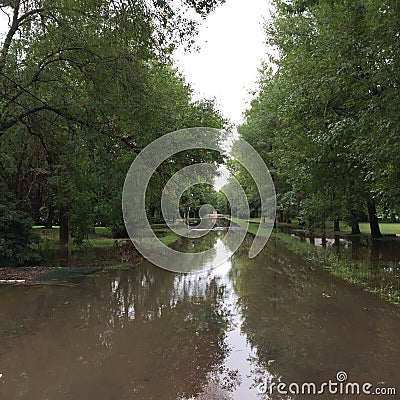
(355, 227)
(337, 244)
(64, 226)
(50, 218)
(355, 247)
(227, 210)
(373, 220)
(375, 252)
(336, 225)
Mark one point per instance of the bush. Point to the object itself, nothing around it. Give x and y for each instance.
(16, 234)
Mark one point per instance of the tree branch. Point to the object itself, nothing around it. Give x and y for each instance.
(6, 125)
(16, 23)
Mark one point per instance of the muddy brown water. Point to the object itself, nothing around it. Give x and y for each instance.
(146, 333)
(378, 253)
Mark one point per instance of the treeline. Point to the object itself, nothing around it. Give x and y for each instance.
(84, 86)
(326, 116)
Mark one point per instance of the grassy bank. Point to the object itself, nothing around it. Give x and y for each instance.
(50, 238)
(102, 237)
(387, 228)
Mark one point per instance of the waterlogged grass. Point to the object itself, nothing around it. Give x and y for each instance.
(254, 227)
(378, 281)
(169, 238)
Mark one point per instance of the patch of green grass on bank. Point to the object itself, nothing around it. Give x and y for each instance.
(165, 235)
(387, 228)
(103, 231)
(356, 273)
(102, 237)
(169, 238)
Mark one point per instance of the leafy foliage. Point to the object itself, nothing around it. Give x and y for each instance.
(84, 87)
(325, 116)
(16, 234)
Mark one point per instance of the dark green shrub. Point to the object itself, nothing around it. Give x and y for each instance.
(16, 234)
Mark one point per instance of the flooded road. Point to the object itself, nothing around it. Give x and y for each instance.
(147, 333)
(378, 253)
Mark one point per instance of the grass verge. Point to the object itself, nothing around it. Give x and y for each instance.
(101, 238)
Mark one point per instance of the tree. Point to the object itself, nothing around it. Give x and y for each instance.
(16, 235)
(85, 87)
(331, 121)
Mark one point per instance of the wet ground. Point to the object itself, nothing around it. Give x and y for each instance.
(146, 333)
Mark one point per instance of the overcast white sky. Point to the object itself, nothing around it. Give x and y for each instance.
(232, 48)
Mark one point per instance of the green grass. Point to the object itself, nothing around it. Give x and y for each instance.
(253, 226)
(102, 237)
(169, 238)
(103, 231)
(50, 238)
(387, 228)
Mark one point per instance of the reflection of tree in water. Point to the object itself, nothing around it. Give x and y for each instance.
(144, 334)
(192, 244)
(306, 326)
(176, 323)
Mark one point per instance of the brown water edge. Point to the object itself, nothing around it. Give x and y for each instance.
(151, 334)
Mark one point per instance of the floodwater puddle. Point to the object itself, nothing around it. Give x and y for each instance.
(146, 333)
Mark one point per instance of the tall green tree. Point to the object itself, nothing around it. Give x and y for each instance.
(329, 107)
(84, 86)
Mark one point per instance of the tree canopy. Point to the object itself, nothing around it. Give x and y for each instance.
(326, 114)
(85, 85)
